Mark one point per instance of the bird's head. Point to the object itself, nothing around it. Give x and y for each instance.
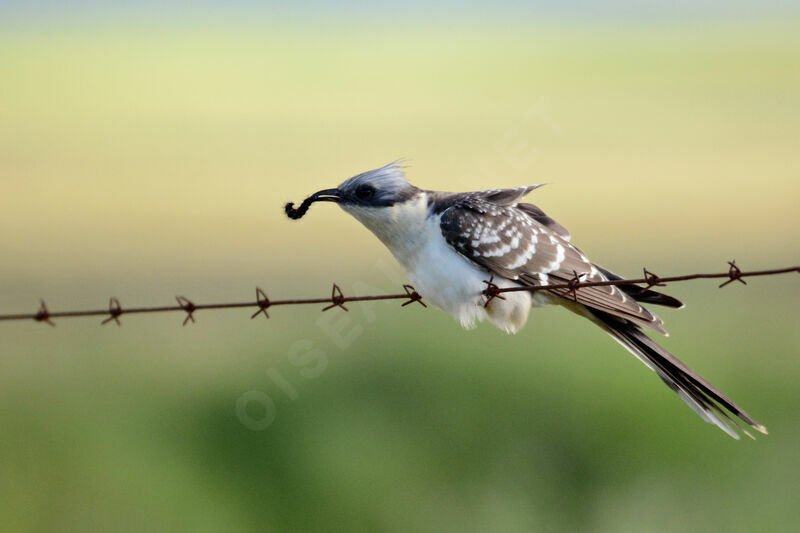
(368, 196)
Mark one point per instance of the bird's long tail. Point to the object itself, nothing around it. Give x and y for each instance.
(705, 399)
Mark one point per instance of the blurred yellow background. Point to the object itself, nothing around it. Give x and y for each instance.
(144, 159)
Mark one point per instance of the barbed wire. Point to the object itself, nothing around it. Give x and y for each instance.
(338, 299)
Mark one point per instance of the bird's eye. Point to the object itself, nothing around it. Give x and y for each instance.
(365, 192)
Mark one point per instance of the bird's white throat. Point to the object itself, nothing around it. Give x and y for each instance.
(400, 227)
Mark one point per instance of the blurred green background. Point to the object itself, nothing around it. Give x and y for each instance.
(146, 152)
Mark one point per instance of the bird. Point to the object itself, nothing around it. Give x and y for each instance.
(451, 244)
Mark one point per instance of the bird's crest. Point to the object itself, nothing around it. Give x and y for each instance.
(388, 177)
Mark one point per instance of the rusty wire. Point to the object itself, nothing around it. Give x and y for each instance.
(338, 299)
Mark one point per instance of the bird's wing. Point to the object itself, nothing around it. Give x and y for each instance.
(539, 216)
(519, 243)
(501, 197)
(510, 241)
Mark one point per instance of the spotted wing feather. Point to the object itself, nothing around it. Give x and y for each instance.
(540, 217)
(509, 241)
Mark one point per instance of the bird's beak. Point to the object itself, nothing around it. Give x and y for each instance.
(327, 195)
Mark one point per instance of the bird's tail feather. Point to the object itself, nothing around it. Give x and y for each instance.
(705, 399)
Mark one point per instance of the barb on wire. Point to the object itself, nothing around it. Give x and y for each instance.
(413, 296)
(338, 299)
(262, 302)
(652, 281)
(734, 273)
(43, 315)
(114, 309)
(491, 291)
(574, 284)
(188, 306)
